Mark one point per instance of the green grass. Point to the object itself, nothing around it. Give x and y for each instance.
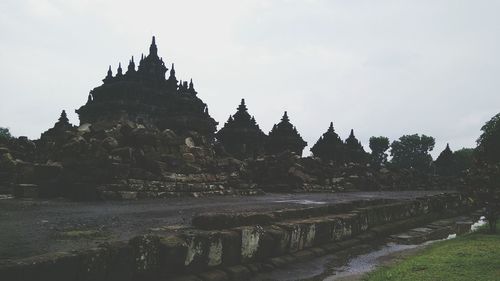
(472, 257)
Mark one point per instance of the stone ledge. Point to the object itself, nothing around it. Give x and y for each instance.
(208, 253)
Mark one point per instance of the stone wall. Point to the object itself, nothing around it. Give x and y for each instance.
(244, 243)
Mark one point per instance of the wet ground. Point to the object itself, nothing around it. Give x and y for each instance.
(32, 227)
(351, 264)
(348, 265)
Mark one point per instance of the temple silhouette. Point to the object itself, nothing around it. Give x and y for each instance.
(144, 133)
(144, 95)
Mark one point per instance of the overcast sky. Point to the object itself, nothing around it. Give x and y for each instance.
(381, 67)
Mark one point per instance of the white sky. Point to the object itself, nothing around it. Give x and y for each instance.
(381, 67)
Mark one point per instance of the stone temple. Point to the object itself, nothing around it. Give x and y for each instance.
(144, 96)
(145, 134)
(141, 134)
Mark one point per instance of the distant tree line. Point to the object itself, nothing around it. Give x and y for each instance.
(407, 152)
(5, 134)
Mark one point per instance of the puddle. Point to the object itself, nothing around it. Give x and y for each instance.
(351, 267)
(302, 202)
(362, 264)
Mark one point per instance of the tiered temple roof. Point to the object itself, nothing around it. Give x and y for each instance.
(284, 137)
(329, 146)
(354, 151)
(61, 126)
(241, 135)
(445, 162)
(144, 95)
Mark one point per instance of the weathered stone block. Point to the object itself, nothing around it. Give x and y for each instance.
(24, 190)
(121, 262)
(94, 265)
(238, 272)
(231, 247)
(173, 252)
(214, 275)
(55, 267)
(146, 253)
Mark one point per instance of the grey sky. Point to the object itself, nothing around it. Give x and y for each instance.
(381, 67)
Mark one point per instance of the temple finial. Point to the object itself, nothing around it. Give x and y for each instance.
(131, 66)
(331, 127)
(153, 50)
(172, 74)
(191, 86)
(285, 117)
(119, 71)
(63, 118)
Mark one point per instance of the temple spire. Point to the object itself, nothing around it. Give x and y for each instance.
(172, 71)
(242, 106)
(191, 86)
(131, 65)
(285, 117)
(63, 118)
(119, 71)
(330, 129)
(153, 50)
(109, 76)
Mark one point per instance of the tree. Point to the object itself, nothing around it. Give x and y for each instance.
(487, 169)
(379, 146)
(488, 144)
(412, 151)
(5, 133)
(464, 159)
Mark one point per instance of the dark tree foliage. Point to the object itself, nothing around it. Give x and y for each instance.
(455, 163)
(5, 133)
(487, 170)
(379, 146)
(486, 180)
(464, 159)
(445, 163)
(412, 151)
(329, 146)
(354, 151)
(241, 135)
(284, 137)
(488, 144)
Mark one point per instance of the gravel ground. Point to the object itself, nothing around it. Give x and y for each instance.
(33, 227)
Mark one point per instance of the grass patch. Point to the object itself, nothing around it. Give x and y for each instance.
(472, 257)
(80, 234)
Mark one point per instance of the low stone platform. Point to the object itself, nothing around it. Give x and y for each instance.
(436, 230)
(235, 252)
